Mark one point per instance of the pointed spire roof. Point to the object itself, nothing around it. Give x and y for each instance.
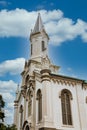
(39, 25)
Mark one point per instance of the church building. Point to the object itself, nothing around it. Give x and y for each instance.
(47, 100)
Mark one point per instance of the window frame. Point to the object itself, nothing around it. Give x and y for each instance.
(43, 46)
(39, 98)
(21, 115)
(31, 49)
(66, 98)
(29, 107)
(29, 97)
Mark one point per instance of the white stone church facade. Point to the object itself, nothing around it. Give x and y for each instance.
(47, 100)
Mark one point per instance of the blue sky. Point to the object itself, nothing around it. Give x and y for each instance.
(66, 25)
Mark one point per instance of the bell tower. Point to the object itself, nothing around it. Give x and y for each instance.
(38, 41)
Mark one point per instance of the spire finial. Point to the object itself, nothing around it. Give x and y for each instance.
(39, 24)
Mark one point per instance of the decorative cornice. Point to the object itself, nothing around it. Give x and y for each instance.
(15, 103)
(45, 75)
(33, 61)
(45, 71)
(65, 80)
(66, 77)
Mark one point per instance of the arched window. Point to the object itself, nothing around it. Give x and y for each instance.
(21, 116)
(29, 107)
(31, 49)
(29, 103)
(66, 107)
(26, 79)
(39, 98)
(43, 46)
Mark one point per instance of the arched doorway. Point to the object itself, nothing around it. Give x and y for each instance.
(27, 127)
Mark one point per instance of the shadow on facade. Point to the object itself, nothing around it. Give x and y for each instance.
(25, 126)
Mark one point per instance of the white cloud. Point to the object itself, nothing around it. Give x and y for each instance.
(7, 86)
(12, 66)
(19, 22)
(9, 116)
(65, 29)
(10, 105)
(7, 90)
(8, 97)
(16, 22)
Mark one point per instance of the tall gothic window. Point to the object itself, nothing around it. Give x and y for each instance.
(43, 46)
(29, 108)
(31, 48)
(29, 103)
(21, 116)
(66, 107)
(39, 98)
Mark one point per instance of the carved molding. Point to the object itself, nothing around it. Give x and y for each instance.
(23, 91)
(29, 92)
(84, 86)
(64, 82)
(15, 103)
(45, 74)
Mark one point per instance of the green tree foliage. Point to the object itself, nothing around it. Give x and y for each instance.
(2, 115)
(2, 104)
(12, 127)
(9, 127)
(2, 126)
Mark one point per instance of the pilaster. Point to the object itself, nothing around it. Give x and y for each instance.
(46, 98)
(16, 113)
(81, 108)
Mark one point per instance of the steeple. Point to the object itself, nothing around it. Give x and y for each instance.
(39, 40)
(39, 25)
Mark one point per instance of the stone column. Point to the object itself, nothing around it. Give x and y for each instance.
(24, 109)
(33, 99)
(81, 108)
(46, 97)
(16, 113)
